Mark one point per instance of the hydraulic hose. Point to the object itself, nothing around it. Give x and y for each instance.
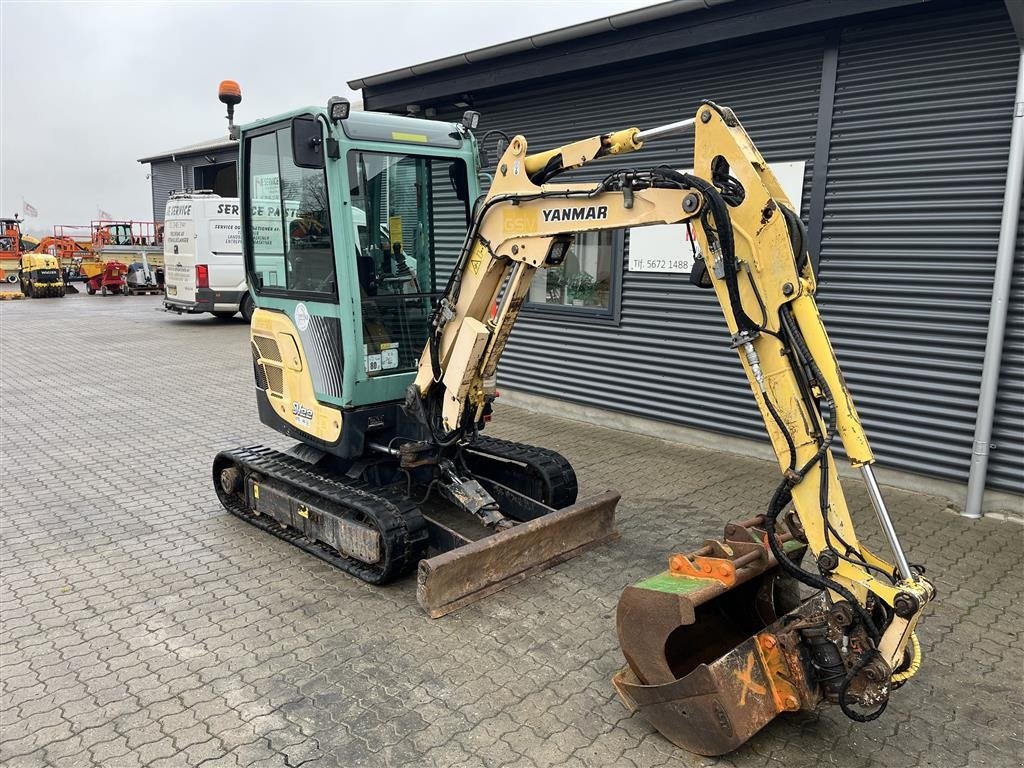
(783, 495)
(862, 661)
(722, 233)
(899, 678)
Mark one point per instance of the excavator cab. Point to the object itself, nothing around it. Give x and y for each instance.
(350, 229)
(352, 223)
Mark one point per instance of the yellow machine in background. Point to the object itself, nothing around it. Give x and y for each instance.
(41, 276)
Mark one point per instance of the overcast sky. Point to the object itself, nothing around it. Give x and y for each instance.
(86, 89)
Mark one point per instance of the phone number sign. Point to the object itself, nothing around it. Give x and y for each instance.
(668, 248)
(661, 248)
(640, 263)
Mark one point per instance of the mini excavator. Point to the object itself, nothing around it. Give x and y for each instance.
(351, 223)
(391, 466)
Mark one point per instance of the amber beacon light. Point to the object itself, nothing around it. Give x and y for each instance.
(230, 93)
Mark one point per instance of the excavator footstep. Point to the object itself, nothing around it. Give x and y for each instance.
(470, 572)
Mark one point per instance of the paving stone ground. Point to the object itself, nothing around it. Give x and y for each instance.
(144, 626)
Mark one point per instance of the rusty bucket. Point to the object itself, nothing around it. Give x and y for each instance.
(708, 660)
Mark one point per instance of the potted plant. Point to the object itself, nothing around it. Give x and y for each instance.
(581, 288)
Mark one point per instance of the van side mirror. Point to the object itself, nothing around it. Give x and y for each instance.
(307, 142)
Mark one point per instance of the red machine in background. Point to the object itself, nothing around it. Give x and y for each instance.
(136, 247)
(110, 280)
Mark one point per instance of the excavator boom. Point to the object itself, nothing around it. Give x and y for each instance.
(720, 643)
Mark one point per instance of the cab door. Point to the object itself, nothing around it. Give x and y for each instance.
(290, 255)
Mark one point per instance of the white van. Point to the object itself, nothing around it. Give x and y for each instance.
(203, 266)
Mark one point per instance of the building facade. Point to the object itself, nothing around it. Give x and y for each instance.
(211, 165)
(898, 116)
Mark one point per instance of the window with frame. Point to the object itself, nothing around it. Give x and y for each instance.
(587, 282)
(410, 213)
(290, 219)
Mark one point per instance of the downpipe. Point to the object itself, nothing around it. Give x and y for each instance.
(1000, 304)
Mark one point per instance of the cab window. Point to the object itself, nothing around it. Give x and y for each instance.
(290, 225)
(410, 218)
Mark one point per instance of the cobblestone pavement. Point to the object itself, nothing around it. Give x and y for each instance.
(144, 626)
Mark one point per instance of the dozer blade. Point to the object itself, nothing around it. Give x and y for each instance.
(479, 568)
(709, 662)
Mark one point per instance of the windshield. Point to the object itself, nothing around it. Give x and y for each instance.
(120, 234)
(411, 216)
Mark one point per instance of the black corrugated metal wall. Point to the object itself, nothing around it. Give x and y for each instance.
(918, 156)
(1006, 460)
(917, 168)
(165, 178)
(669, 357)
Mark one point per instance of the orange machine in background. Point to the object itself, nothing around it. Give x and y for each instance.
(10, 248)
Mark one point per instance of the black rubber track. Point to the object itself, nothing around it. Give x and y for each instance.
(550, 469)
(397, 519)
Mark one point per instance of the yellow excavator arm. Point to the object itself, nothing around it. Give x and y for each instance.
(755, 259)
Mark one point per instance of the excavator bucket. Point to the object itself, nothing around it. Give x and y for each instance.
(468, 569)
(709, 659)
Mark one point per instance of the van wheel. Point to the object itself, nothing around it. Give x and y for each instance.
(223, 315)
(248, 307)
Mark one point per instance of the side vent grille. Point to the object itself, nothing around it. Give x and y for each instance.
(267, 348)
(275, 379)
(267, 365)
(257, 369)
